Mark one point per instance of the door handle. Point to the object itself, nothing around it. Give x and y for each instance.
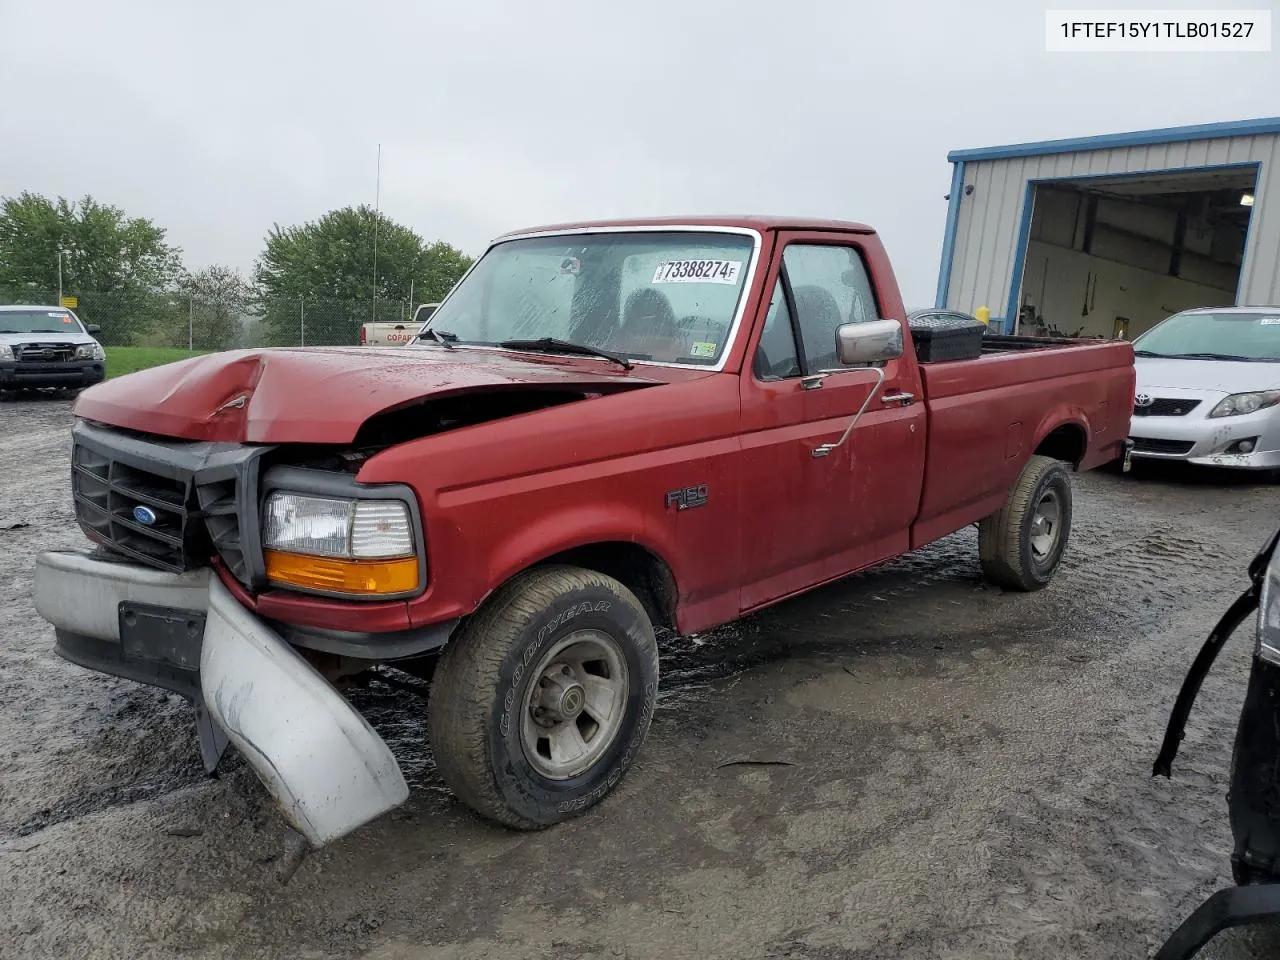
(813, 381)
(904, 398)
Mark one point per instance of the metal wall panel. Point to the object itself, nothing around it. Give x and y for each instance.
(985, 258)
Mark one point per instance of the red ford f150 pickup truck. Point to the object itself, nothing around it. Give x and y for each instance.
(605, 428)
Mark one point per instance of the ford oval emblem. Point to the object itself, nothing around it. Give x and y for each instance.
(144, 515)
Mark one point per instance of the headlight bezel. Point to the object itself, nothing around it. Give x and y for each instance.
(94, 351)
(1269, 398)
(323, 484)
(6, 351)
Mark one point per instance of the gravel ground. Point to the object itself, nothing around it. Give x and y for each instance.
(935, 770)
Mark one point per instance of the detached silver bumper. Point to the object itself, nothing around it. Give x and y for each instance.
(326, 768)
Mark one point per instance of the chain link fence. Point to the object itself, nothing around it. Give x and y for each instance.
(176, 320)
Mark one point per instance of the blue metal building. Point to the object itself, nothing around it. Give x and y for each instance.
(1107, 235)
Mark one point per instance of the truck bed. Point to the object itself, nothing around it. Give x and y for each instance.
(986, 415)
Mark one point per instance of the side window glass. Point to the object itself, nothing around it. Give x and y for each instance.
(830, 287)
(776, 353)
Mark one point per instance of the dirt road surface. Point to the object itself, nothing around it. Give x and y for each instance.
(905, 765)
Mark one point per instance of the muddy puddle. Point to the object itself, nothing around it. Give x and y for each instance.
(906, 764)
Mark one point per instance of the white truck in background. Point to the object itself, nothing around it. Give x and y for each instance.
(392, 333)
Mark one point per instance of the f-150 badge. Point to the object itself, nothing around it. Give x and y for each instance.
(687, 497)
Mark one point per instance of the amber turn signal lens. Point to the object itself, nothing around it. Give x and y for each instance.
(333, 575)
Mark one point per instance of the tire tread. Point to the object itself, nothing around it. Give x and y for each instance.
(1000, 535)
(462, 689)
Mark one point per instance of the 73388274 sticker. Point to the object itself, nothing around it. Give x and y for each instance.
(698, 271)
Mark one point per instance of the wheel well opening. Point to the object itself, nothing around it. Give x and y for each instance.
(642, 572)
(1067, 443)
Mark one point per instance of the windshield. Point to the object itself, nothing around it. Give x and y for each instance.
(1209, 336)
(663, 296)
(38, 321)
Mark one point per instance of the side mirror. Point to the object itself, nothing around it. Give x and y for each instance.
(92, 328)
(872, 342)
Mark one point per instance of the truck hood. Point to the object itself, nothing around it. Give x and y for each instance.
(76, 338)
(323, 394)
(1223, 376)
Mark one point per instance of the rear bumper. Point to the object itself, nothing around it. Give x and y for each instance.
(326, 768)
(74, 373)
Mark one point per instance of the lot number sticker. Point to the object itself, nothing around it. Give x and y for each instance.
(703, 348)
(1269, 321)
(698, 271)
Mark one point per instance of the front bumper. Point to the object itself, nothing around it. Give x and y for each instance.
(326, 768)
(71, 373)
(1205, 442)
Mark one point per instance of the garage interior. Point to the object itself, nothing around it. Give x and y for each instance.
(1113, 256)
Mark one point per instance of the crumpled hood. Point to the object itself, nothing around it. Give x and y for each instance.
(1222, 376)
(319, 394)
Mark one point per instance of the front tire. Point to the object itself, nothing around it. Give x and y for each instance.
(1021, 545)
(540, 705)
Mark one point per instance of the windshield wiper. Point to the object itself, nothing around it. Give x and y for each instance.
(1210, 356)
(442, 337)
(1150, 353)
(555, 345)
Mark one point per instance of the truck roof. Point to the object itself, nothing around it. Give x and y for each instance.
(761, 223)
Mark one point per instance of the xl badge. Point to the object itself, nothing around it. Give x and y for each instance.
(144, 515)
(687, 497)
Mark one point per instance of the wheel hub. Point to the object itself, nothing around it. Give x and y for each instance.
(560, 697)
(1044, 525)
(576, 704)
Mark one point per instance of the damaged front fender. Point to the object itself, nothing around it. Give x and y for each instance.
(321, 761)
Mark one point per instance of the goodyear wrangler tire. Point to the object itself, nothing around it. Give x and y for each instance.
(1020, 546)
(541, 704)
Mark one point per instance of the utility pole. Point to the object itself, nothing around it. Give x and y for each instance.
(59, 274)
(377, 206)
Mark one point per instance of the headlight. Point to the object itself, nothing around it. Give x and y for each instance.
(1269, 613)
(90, 351)
(354, 547)
(1239, 403)
(6, 352)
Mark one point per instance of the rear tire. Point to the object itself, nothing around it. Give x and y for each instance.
(1021, 545)
(541, 704)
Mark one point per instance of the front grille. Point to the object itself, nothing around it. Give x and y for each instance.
(1166, 407)
(1154, 445)
(219, 509)
(44, 352)
(107, 491)
(199, 492)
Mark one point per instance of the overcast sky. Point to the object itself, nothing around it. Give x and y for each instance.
(218, 119)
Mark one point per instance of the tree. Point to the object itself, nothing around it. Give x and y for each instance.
(103, 250)
(215, 303)
(109, 259)
(320, 275)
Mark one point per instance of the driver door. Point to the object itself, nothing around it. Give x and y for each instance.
(814, 518)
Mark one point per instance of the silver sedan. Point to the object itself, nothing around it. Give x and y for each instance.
(1208, 388)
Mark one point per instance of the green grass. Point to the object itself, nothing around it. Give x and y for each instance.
(122, 360)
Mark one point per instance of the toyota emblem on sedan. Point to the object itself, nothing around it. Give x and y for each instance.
(1142, 400)
(144, 515)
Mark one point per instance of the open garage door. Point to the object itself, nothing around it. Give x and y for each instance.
(1113, 256)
